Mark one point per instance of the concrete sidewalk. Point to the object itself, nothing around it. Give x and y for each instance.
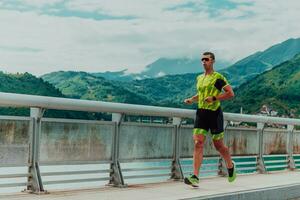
(280, 185)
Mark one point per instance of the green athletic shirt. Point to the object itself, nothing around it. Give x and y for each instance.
(210, 85)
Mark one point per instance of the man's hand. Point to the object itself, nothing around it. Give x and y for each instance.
(209, 99)
(188, 101)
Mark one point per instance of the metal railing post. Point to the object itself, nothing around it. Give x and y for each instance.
(116, 177)
(260, 160)
(290, 146)
(34, 180)
(176, 170)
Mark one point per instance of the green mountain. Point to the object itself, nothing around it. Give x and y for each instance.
(24, 84)
(278, 88)
(84, 85)
(29, 84)
(168, 91)
(116, 76)
(259, 62)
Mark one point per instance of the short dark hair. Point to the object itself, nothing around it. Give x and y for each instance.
(209, 54)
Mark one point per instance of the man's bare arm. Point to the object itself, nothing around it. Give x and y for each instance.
(192, 99)
(227, 94)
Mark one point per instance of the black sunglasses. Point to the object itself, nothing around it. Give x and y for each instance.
(205, 59)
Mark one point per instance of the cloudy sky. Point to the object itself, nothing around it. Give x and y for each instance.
(41, 36)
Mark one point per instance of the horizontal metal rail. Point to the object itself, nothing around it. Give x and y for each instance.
(203, 165)
(14, 175)
(245, 157)
(205, 158)
(147, 176)
(82, 162)
(276, 166)
(5, 185)
(204, 172)
(13, 165)
(145, 169)
(35, 101)
(75, 172)
(275, 161)
(277, 155)
(76, 181)
(145, 160)
(245, 163)
(247, 168)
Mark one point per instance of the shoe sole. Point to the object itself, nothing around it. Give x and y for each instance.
(186, 181)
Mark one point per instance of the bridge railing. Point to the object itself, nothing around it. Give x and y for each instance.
(36, 141)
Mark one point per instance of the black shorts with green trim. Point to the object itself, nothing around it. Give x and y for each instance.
(209, 120)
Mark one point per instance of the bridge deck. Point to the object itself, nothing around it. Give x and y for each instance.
(279, 185)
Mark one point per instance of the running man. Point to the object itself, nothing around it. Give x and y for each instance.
(212, 88)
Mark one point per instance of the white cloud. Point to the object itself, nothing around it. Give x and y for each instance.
(145, 9)
(38, 3)
(74, 43)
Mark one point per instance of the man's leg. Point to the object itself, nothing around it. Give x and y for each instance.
(199, 132)
(199, 141)
(224, 151)
(217, 131)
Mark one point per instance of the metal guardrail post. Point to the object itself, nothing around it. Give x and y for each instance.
(222, 169)
(34, 180)
(290, 146)
(176, 170)
(116, 177)
(260, 160)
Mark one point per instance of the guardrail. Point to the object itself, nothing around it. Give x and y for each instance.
(121, 142)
